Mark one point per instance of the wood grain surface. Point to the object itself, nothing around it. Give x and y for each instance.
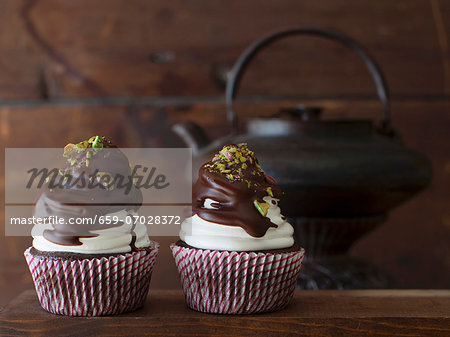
(139, 48)
(337, 313)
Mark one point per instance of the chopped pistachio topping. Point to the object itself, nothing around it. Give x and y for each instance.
(95, 142)
(269, 191)
(89, 146)
(233, 161)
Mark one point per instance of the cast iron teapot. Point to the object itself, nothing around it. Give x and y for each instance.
(327, 168)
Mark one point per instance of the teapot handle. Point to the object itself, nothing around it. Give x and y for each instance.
(251, 51)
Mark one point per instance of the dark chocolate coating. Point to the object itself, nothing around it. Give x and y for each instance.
(71, 200)
(235, 198)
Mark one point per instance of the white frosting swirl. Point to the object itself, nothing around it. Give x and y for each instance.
(200, 233)
(108, 241)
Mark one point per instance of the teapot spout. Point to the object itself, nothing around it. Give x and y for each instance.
(192, 134)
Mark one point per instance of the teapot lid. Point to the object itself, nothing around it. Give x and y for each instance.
(306, 120)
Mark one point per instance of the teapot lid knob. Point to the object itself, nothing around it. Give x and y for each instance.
(301, 112)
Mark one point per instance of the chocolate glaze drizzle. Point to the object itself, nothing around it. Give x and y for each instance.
(235, 187)
(70, 200)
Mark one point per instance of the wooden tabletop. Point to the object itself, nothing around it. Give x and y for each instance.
(324, 313)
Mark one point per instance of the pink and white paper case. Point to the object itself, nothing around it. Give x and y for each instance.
(93, 287)
(237, 282)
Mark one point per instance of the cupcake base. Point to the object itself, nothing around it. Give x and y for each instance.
(95, 286)
(226, 282)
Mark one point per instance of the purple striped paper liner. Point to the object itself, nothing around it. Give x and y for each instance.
(93, 287)
(237, 282)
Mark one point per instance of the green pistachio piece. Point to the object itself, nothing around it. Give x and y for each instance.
(95, 143)
(68, 149)
(261, 207)
(81, 146)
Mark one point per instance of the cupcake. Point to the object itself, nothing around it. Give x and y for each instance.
(236, 253)
(89, 257)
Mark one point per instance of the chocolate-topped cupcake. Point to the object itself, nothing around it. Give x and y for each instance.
(237, 253)
(95, 259)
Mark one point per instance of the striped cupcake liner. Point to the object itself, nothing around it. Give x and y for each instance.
(237, 282)
(93, 287)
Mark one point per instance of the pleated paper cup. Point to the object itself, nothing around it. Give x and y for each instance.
(237, 282)
(93, 287)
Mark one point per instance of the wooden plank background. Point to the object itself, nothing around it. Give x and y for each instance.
(130, 69)
(54, 49)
